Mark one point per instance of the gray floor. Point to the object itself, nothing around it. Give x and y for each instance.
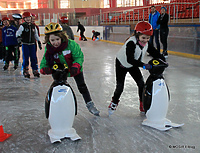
(22, 109)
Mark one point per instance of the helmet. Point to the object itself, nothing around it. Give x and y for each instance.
(33, 15)
(5, 18)
(144, 28)
(52, 27)
(93, 31)
(17, 16)
(64, 19)
(26, 14)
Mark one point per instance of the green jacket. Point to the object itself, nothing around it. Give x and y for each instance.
(72, 54)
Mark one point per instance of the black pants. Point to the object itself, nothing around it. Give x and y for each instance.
(82, 35)
(120, 78)
(10, 53)
(82, 87)
(2, 51)
(163, 38)
(156, 35)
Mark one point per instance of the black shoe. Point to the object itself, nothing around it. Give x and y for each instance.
(26, 73)
(165, 54)
(5, 67)
(15, 67)
(36, 73)
(85, 40)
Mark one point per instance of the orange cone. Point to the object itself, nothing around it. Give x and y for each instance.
(3, 136)
(80, 38)
(94, 39)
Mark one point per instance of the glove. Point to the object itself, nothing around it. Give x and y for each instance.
(75, 69)
(46, 70)
(19, 41)
(40, 45)
(147, 66)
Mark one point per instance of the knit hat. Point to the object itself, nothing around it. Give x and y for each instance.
(164, 8)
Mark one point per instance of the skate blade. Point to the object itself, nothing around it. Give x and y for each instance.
(110, 112)
(174, 125)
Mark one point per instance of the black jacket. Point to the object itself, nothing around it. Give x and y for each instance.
(81, 28)
(163, 21)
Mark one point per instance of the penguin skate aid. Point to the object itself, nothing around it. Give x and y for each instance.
(129, 59)
(156, 98)
(61, 106)
(60, 49)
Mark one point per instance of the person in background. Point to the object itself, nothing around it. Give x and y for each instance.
(153, 18)
(2, 52)
(95, 34)
(33, 17)
(17, 22)
(164, 29)
(64, 21)
(27, 34)
(82, 30)
(60, 49)
(130, 59)
(10, 43)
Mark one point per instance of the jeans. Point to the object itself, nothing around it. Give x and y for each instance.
(29, 51)
(156, 35)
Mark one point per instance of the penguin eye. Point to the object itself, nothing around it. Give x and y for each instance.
(46, 28)
(56, 26)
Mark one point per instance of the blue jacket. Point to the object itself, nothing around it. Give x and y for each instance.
(9, 36)
(153, 20)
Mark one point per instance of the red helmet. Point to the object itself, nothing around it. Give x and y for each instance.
(5, 18)
(33, 15)
(93, 31)
(26, 14)
(64, 19)
(144, 28)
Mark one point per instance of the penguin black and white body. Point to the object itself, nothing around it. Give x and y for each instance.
(156, 98)
(61, 106)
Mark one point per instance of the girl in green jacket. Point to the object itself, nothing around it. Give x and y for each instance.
(60, 49)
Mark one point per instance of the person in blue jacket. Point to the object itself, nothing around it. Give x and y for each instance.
(153, 18)
(10, 43)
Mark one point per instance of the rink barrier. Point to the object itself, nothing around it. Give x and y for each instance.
(170, 52)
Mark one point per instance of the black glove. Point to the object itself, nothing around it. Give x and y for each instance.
(39, 45)
(19, 41)
(73, 71)
(147, 66)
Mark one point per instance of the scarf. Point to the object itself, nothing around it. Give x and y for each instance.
(51, 51)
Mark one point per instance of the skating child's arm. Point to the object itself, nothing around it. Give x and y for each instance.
(130, 51)
(19, 31)
(78, 58)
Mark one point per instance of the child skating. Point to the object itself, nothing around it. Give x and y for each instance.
(60, 49)
(28, 34)
(129, 59)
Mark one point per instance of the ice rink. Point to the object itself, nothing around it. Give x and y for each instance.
(22, 111)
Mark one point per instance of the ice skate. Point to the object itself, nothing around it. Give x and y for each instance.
(5, 67)
(141, 107)
(112, 108)
(26, 73)
(92, 109)
(36, 73)
(165, 54)
(15, 67)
